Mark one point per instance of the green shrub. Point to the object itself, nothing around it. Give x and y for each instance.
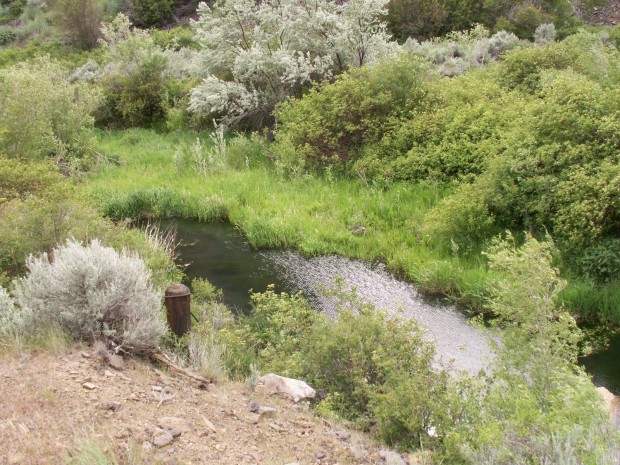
(355, 359)
(601, 260)
(42, 209)
(42, 114)
(7, 35)
(134, 85)
(280, 325)
(80, 20)
(584, 52)
(175, 38)
(526, 20)
(203, 291)
(418, 18)
(135, 99)
(536, 405)
(333, 121)
(151, 12)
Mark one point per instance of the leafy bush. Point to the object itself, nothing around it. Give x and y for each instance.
(42, 209)
(333, 121)
(369, 365)
(42, 114)
(151, 12)
(134, 85)
(365, 365)
(601, 260)
(7, 35)
(176, 38)
(418, 18)
(91, 292)
(80, 20)
(536, 406)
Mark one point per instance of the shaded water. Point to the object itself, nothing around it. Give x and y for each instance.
(218, 252)
(604, 366)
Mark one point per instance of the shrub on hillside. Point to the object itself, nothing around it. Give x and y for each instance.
(333, 121)
(536, 405)
(255, 55)
(133, 82)
(80, 20)
(41, 113)
(8, 320)
(40, 209)
(91, 292)
(371, 366)
(146, 13)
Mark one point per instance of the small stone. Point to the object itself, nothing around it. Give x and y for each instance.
(162, 439)
(171, 423)
(391, 458)
(320, 455)
(175, 432)
(88, 379)
(110, 405)
(253, 418)
(220, 447)
(74, 373)
(261, 410)
(116, 362)
(89, 386)
(157, 388)
(85, 354)
(276, 427)
(343, 435)
(210, 425)
(356, 451)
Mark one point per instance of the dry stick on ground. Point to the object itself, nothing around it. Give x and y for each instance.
(161, 357)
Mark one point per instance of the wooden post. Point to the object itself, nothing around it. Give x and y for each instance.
(178, 301)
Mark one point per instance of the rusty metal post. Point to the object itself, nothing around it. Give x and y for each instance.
(178, 302)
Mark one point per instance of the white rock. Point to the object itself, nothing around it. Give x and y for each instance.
(294, 388)
(611, 402)
(171, 423)
(391, 457)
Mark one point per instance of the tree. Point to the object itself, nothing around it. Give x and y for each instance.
(258, 54)
(536, 405)
(80, 19)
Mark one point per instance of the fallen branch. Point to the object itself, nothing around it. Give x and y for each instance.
(161, 357)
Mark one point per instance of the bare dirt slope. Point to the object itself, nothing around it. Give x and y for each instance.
(51, 404)
(609, 14)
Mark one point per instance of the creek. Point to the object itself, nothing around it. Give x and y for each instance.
(221, 254)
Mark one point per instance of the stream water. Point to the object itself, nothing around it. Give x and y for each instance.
(218, 252)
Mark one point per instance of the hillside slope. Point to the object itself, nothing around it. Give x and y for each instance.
(49, 411)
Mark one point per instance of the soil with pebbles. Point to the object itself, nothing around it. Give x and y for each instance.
(53, 404)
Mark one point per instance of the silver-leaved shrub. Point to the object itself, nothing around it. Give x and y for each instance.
(90, 292)
(256, 54)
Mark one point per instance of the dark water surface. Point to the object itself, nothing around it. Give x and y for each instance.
(220, 253)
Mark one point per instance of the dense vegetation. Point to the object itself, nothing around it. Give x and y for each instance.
(479, 165)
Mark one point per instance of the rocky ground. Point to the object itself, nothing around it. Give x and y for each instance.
(608, 14)
(53, 404)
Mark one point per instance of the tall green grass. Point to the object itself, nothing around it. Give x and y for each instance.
(315, 214)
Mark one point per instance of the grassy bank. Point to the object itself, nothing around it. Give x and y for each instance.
(316, 214)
